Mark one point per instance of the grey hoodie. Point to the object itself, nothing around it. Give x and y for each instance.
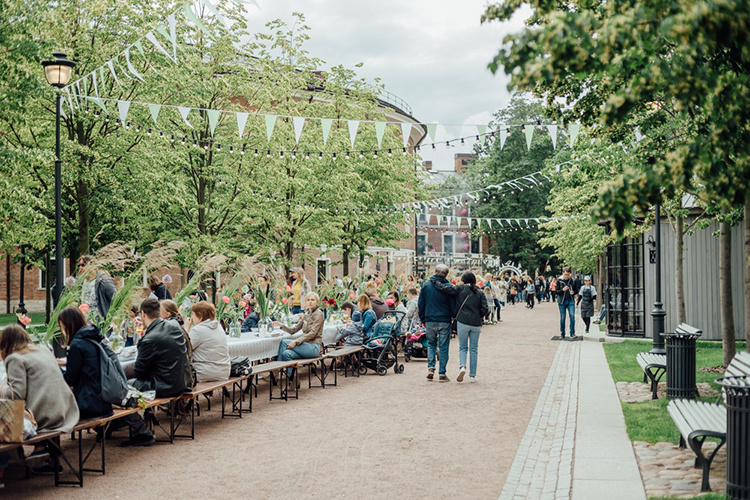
(210, 351)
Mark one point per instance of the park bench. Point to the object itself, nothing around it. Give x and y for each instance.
(339, 355)
(51, 440)
(205, 389)
(698, 421)
(271, 369)
(654, 367)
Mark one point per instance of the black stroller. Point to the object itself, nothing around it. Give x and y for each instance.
(381, 349)
(415, 344)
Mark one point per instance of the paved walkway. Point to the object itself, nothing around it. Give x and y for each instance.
(575, 445)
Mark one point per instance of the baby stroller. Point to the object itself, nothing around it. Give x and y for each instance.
(381, 348)
(415, 344)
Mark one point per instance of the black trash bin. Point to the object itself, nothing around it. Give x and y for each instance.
(737, 391)
(681, 364)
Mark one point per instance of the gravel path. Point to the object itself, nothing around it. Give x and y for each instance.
(372, 437)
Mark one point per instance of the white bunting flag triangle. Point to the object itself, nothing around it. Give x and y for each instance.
(213, 119)
(299, 123)
(99, 102)
(552, 129)
(638, 135)
(432, 129)
(96, 87)
(114, 74)
(154, 110)
(503, 136)
(379, 132)
(406, 132)
(151, 38)
(481, 130)
(123, 107)
(325, 125)
(574, 129)
(215, 12)
(529, 136)
(241, 121)
(173, 35)
(353, 126)
(131, 68)
(184, 112)
(270, 124)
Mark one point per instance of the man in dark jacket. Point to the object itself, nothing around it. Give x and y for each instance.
(162, 365)
(435, 313)
(566, 291)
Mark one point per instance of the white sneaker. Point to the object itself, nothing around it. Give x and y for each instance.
(461, 374)
(472, 380)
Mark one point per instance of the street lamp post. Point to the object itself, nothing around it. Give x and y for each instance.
(658, 313)
(58, 73)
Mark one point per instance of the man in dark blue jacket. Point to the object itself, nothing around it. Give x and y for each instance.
(435, 313)
(566, 292)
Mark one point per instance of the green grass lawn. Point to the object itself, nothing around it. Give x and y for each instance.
(9, 319)
(705, 496)
(649, 421)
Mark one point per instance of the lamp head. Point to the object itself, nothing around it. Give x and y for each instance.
(59, 70)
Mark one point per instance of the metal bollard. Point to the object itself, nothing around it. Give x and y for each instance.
(681, 365)
(737, 391)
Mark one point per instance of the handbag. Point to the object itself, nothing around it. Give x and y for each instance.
(240, 366)
(11, 419)
(454, 321)
(513, 291)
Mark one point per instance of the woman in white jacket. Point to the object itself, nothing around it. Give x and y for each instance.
(209, 341)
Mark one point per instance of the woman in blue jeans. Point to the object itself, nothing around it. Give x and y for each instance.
(311, 324)
(471, 307)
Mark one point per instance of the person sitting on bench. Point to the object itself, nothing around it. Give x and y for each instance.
(210, 351)
(162, 365)
(311, 324)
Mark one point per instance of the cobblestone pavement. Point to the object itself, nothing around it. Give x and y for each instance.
(543, 464)
(669, 471)
(638, 392)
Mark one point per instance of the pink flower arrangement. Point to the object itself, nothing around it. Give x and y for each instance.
(242, 303)
(167, 279)
(25, 320)
(225, 299)
(352, 294)
(389, 302)
(285, 300)
(84, 308)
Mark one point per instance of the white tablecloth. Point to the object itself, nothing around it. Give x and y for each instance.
(257, 348)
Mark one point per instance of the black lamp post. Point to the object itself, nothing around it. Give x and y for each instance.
(657, 313)
(58, 73)
(21, 305)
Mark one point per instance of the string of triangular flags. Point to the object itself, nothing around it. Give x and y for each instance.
(121, 65)
(299, 122)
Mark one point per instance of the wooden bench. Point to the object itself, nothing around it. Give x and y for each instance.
(46, 438)
(203, 389)
(654, 367)
(698, 421)
(271, 369)
(340, 354)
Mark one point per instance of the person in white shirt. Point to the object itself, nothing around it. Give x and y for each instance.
(209, 341)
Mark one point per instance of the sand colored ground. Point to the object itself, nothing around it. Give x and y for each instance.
(397, 436)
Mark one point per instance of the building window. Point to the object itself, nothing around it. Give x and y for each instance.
(421, 244)
(624, 297)
(321, 271)
(476, 247)
(448, 243)
(422, 218)
(43, 275)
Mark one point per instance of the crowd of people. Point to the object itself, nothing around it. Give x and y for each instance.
(174, 353)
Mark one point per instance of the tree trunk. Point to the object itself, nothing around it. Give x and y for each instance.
(725, 293)
(84, 220)
(345, 258)
(680, 269)
(747, 273)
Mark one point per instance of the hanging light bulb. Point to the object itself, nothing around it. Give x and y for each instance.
(183, 141)
(320, 155)
(447, 144)
(375, 155)
(218, 148)
(268, 153)
(404, 152)
(462, 141)
(346, 158)
(390, 153)
(361, 154)
(205, 146)
(307, 155)
(149, 132)
(256, 153)
(195, 143)
(281, 155)
(294, 155)
(433, 146)
(334, 156)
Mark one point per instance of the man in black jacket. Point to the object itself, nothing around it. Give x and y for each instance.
(566, 292)
(162, 365)
(435, 313)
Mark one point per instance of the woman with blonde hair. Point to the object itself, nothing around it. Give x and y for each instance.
(368, 315)
(309, 344)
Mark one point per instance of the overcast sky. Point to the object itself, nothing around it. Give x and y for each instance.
(431, 53)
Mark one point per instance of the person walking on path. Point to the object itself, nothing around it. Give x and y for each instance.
(435, 309)
(566, 293)
(530, 293)
(586, 301)
(470, 308)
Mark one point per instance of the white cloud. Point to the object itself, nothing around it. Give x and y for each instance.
(431, 53)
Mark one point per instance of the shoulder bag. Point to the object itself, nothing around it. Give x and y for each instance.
(454, 321)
